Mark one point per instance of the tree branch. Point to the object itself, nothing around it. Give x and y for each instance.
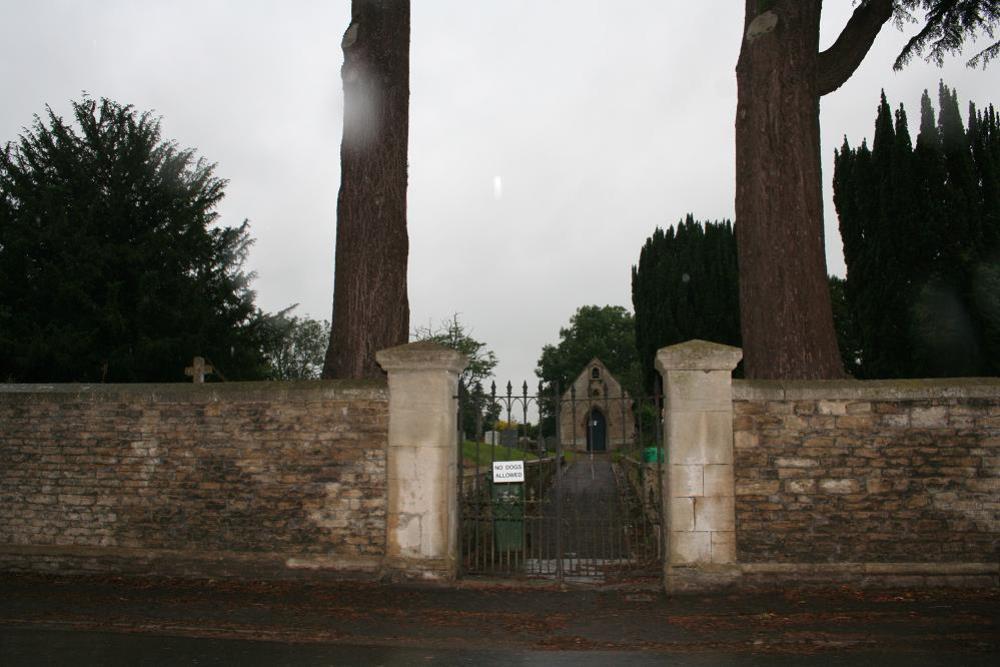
(946, 27)
(837, 63)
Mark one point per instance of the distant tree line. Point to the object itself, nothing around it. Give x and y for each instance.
(921, 231)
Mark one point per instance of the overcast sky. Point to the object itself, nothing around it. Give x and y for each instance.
(548, 138)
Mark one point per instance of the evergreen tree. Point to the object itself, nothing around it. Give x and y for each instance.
(963, 231)
(781, 76)
(112, 267)
(920, 243)
(984, 141)
(685, 286)
(845, 326)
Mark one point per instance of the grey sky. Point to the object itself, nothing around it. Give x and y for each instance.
(547, 137)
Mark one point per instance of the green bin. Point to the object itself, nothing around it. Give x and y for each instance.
(508, 516)
(652, 455)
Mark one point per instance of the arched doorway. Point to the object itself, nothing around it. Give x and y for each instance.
(597, 431)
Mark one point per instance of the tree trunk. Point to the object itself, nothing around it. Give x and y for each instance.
(786, 317)
(370, 304)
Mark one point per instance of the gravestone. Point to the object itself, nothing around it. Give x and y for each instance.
(508, 437)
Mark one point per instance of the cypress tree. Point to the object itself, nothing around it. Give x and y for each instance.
(984, 279)
(964, 233)
(906, 218)
(856, 197)
(929, 174)
(920, 232)
(685, 286)
(984, 144)
(883, 334)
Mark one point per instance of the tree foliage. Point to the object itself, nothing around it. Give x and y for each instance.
(921, 231)
(685, 286)
(451, 333)
(845, 326)
(112, 267)
(294, 347)
(482, 362)
(605, 332)
(947, 25)
(786, 313)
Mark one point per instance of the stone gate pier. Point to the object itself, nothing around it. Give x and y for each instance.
(698, 489)
(422, 460)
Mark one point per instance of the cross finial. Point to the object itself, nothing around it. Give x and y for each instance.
(198, 370)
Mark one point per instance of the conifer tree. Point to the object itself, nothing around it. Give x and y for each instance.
(984, 141)
(113, 267)
(920, 243)
(781, 76)
(685, 286)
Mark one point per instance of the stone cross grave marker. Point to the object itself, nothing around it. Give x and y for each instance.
(198, 370)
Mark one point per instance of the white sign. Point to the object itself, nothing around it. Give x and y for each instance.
(508, 471)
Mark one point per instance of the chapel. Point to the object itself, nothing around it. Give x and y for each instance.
(596, 412)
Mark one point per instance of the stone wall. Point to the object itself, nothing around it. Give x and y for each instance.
(871, 472)
(263, 479)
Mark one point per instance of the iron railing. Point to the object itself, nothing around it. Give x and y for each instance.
(581, 513)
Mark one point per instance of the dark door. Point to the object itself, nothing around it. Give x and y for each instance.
(597, 430)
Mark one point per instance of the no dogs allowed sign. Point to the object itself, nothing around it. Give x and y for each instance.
(508, 471)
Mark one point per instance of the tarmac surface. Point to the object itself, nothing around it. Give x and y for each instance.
(590, 517)
(109, 621)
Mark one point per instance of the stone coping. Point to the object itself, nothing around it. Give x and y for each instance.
(184, 392)
(421, 356)
(869, 390)
(701, 355)
(871, 568)
(288, 560)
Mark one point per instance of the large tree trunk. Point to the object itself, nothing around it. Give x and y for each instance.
(785, 312)
(370, 304)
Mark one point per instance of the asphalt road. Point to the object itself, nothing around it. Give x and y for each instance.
(42, 647)
(107, 621)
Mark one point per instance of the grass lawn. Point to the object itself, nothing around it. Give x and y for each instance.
(486, 454)
(501, 453)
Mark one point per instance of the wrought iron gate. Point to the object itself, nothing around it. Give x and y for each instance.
(580, 513)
